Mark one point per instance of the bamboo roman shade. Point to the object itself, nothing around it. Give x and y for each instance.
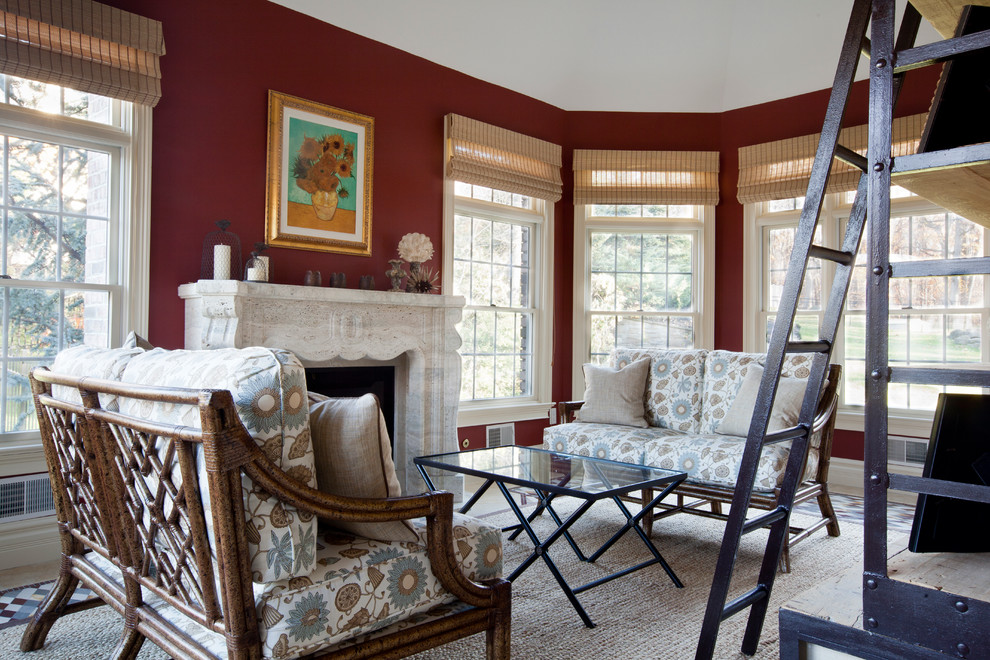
(85, 45)
(645, 177)
(487, 155)
(782, 169)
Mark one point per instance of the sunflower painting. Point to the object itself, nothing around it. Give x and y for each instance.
(319, 176)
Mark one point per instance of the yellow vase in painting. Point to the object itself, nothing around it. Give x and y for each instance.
(324, 204)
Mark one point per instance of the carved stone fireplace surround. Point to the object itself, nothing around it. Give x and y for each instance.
(328, 327)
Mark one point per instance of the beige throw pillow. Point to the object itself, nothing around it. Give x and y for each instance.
(615, 396)
(354, 459)
(786, 405)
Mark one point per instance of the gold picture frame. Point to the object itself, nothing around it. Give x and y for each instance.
(320, 163)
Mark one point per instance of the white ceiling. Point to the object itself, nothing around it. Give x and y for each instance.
(621, 55)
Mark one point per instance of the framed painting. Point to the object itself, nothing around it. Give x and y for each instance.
(319, 176)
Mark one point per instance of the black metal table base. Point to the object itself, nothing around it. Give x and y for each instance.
(541, 547)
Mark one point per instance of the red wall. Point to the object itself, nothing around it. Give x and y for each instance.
(209, 152)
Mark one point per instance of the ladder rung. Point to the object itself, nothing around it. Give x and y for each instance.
(933, 267)
(972, 154)
(808, 347)
(764, 519)
(971, 492)
(972, 377)
(799, 431)
(850, 157)
(744, 601)
(865, 48)
(838, 256)
(940, 51)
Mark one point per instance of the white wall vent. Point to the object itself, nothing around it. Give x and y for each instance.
(907, 451)
(24, 497)
(500, 435)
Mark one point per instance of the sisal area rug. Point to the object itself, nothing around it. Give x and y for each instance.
(641, 615)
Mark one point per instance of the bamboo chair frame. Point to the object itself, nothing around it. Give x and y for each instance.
(154, 531)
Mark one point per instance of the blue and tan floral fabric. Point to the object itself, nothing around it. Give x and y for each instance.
(673, 386)
(269, 391)
(360, 585)
(357, 588)
(714, 459)
(688, 393)
(724, 372)
(611, 441)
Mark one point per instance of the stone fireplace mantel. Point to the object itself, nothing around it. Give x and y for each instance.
(328, 327)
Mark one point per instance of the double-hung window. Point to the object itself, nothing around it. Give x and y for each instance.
(643, 277)
(933, 320)
(498, 232)
(72, 259)
(497, 268)
(643, 252)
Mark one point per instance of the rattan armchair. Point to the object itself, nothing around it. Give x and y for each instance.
(133, 513)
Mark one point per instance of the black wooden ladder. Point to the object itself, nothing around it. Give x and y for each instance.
(757, 599)
(956, 135)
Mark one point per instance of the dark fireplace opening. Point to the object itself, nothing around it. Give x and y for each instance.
(356, 381)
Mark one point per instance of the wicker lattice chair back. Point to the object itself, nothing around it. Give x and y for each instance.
(134, 528)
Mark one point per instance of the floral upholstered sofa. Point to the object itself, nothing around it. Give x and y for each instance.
(687, 421)
(313, 584)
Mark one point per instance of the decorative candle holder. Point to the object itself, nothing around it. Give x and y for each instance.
(221, 254)
(395, 274)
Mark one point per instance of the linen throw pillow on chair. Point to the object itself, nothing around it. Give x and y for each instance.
(615, 396)
(786, 405)
(354, 459)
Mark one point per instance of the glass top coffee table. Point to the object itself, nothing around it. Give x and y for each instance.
(550, 475)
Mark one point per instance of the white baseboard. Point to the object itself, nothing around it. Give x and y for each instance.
(845, 476)
(31, 541)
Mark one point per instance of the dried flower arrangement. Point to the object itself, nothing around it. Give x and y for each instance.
(423, 280)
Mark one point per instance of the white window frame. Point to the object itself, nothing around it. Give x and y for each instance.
(536, 405)
(704, 285)
(834, 213)
(129, 143)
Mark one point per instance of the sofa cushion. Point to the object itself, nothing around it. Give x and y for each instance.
(672, 398)
(615, 395)
(95, 362)
(724, 371)
(353, 456)
(611, 441)
(269, 391)
(786, 404)
(357, 586)
(714, 459)
(360, 585)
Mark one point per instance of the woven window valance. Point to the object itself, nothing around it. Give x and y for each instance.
(782, 169)
(487, 155)
(645, 177)
(85, 45)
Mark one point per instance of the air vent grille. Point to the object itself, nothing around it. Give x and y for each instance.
(500, 435)
(907, 451)
(25, 497)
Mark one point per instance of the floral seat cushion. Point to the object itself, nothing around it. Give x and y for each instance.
(611, 441)
(714, 459)
(357, 587)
